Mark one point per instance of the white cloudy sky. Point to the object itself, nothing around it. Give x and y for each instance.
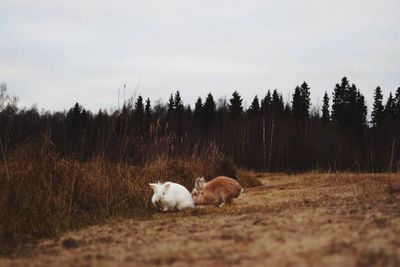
(54, 53)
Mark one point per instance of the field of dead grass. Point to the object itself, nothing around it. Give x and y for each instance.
(308, 219)
(43, 194)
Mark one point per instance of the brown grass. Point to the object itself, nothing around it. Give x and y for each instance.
(312, 219)
(43, 194)
(248, 178)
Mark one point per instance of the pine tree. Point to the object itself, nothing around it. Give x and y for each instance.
(377, 114)
(297, 103)
(76, 110)
(339, 102)
(178, 104)
(277, 103)
(390, 110)
(325, 108)
(305, 100)
(209, 111)
(171, 105)
(361, 111)
(139, 108)
(235, 105)
(266, 102)
(77, 119)
(148, 110)
(255, 106)
(349, 109)
(198, 107)
(301, 101)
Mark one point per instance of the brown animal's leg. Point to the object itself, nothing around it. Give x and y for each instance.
(218, 202)
(228, 200)
(240, 191)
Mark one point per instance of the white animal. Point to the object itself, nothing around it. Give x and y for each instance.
(171, 196)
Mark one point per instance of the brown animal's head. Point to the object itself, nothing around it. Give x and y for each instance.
(197, 192)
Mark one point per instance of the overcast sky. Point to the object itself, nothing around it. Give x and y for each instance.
(55, 53)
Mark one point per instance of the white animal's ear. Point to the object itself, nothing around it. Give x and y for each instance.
(166, 187)
(153, 186)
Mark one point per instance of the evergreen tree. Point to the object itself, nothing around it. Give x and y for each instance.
(235, 105)
(348, 109)
(178, 104)
(301, 101)
(209, 111)
(148, 110)
(266, 102)
(255, 106)
(325, 108)
(75, 112)
(77, 118)
(390, 110)
(377, 114)
(268, 97)
(305, 100)
(277, 103)
(198, 107)
(171, 105)
(139, 108)
(339, 101)
(297, 103)
(361, 110)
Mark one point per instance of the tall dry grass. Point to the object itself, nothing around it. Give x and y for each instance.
(43, 194)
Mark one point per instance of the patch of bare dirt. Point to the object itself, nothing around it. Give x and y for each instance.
(303, 220)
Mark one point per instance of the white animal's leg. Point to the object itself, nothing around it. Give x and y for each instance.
(165, 209)
(171, 206)
(179, 206)
(185, 206)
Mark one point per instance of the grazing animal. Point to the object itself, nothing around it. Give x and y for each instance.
(219, 190)
(171, 196)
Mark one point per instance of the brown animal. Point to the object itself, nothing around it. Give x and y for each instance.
(219, 190)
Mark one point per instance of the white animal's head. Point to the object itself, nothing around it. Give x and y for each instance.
(160, 191)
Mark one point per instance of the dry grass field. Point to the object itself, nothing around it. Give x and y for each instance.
(291, 220)
(43, 194)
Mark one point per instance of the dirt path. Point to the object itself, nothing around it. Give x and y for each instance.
(289, 221)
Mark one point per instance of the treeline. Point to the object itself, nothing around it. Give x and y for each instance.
(270, 135)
